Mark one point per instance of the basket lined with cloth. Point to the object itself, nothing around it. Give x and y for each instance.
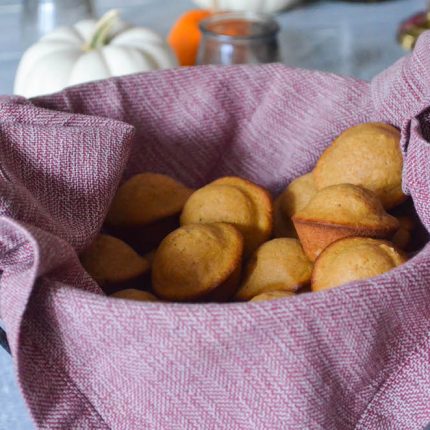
(353, 357)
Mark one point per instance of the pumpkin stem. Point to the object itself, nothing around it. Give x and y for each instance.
(103, 27)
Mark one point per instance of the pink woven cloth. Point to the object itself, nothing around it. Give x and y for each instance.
(357, 357)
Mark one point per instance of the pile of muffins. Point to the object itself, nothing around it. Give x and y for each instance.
(347, 220)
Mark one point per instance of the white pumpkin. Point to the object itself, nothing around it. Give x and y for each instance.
(89, 51)
(266, 6)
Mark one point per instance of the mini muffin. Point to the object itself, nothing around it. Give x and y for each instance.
(235, 201)
(111, 262)
(293, 199)
(133, 294)
(368, 155)
(146, 208)
(340, 211)
(278, 265)
(353, 259)
(272, 295)
(198, 262)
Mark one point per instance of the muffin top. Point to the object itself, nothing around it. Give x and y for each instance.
(146, 198)
(195, 259)
(277, 265)
(347, 205)
(353, 259)
(110, 260)
(368, 155)
(235, 201)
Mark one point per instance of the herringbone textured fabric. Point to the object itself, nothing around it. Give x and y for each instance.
(357, 357)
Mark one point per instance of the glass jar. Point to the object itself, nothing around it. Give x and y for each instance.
(239, 38)
(40, 17)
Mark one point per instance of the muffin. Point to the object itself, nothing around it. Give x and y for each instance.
(368, 155)
(133, 294)
(198, 262)
(112, 263)
(277, 265)
(293, 199)
(272, 295)
(340, 211)
(146, 208)
(235, 201)
(353, 259)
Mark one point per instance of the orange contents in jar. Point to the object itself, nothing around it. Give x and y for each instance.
(237, 27)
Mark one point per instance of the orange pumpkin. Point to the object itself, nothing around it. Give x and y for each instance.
(184, 37)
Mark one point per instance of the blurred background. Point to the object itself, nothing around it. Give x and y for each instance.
(351, 38)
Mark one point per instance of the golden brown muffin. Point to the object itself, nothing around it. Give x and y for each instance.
(146, 198)
(353, 259)
(340, 211)
(368, 155)
(293, 199)
(235, 201)
(133, 294)
(110, 261)
(198, 262)
(146, 208)
(278, 265)
(272, 295)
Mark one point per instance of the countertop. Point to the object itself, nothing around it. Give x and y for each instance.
(349, 38)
